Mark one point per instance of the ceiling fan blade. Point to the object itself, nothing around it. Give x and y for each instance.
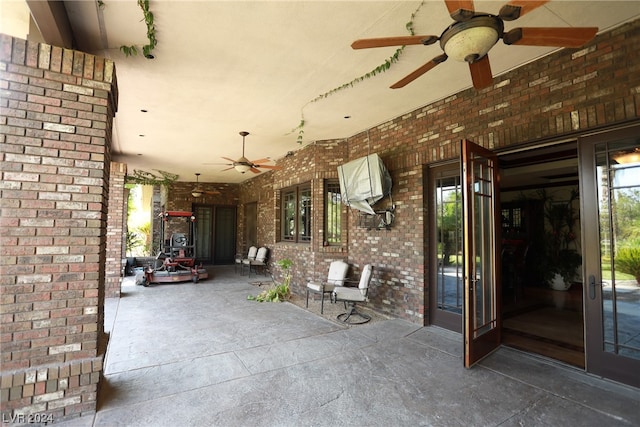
(254, 170)
(265, 160)
(516, 8)
(557, 37)
(227, 169)
(460, 10)
(231, 160)
(420, 71)
(393, 41)
(212, 193)
(453, 5)
(276, 168)
(481, 73)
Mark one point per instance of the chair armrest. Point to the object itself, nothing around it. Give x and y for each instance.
(341, 293)
(320, 286)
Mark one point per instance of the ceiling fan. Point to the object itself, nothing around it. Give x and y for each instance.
(199, 192)
(473, 34)
(243, 164)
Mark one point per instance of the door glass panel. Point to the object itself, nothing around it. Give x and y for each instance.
(203, 232)
(484, 248)
(225, 235)
(449, 245)
(618, 181)
(480, 201)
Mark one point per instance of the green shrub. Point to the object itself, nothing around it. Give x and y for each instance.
(278, 292)
(627, 260)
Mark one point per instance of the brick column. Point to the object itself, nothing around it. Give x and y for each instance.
(56, 114)
(116, 229)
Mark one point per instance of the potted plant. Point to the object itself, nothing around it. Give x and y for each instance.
(562, 256)
(278, 292)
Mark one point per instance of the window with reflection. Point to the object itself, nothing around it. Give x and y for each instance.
(333, 213)
(296, 214)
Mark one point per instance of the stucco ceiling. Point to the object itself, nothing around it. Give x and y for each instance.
(222, 67)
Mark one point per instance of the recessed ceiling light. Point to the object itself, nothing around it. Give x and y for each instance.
(143, 110)
(141, 136)
(347, 117)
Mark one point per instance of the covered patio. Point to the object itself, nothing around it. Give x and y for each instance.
(202, 354)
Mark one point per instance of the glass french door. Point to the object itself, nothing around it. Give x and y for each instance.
(610, 197)
(224, 240)
(204, 252)
(215, 234)
(447, 278)
(480, 201)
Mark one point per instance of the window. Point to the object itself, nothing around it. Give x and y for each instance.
(296, 214)
(333, 213)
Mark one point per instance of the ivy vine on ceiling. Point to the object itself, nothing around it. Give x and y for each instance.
(151, 32)
(377, 70)
(151, 35)
(147, 178)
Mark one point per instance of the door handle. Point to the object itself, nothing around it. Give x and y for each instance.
(592, 287)
(472, 285)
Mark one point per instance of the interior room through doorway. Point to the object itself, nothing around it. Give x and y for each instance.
(542, 296)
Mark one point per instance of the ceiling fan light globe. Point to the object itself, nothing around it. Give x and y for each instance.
(242, 168)
(471, 40)
(471, 43)
(196, 193)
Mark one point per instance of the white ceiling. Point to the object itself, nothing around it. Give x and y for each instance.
(222, 67)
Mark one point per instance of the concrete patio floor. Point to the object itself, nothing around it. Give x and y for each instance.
(203, 355)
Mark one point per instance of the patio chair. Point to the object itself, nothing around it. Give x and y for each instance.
(351, 296)
(336, 277)
(251, 254)
(259, 263)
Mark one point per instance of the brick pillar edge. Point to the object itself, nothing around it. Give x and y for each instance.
(116, 229)
(56, 115)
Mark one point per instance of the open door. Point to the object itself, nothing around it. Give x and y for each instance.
(480, 192)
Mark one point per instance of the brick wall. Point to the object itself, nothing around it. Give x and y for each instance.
(313, 164)
(260, 190)
(117, 226)
(568, 93)
(179, 198)
(56, 107)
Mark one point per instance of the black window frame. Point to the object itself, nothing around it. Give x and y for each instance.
(332, 213)
(296, 213)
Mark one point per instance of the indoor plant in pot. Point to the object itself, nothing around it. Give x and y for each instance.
(563, 257)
